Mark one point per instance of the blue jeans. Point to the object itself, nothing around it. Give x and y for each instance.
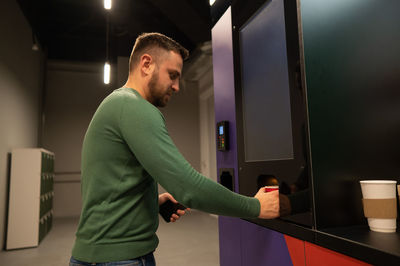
(146, 260)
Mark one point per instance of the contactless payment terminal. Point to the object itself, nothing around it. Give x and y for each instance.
(223, 136)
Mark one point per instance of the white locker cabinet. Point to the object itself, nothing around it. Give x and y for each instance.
(30, 210)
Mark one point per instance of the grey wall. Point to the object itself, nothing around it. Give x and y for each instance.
(73, 92)
(207, 126)
(197, 73)
(20, 90)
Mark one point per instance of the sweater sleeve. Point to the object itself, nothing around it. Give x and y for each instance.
(143, 128)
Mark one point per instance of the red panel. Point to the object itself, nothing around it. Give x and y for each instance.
(296, 250)
(319, 256)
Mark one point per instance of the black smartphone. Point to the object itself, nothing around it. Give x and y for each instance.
(168, 208)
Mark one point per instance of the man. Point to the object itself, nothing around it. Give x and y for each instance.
(127, 151)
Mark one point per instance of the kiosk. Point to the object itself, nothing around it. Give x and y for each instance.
(309, 93)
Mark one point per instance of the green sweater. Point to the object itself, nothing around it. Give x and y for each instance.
(126, 151)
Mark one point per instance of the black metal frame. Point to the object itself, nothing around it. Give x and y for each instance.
(287, 170)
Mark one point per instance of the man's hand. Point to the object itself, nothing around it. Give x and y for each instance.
(269, 202)
(166, 196)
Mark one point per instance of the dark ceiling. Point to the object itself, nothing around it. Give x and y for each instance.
(76, 29)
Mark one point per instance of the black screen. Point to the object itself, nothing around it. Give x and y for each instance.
(267, 124)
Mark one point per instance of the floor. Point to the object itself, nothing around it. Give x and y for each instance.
(193, 241)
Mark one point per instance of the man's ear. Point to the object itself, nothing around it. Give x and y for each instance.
(147, 64)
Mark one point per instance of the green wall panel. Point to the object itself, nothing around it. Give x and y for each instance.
(352, 63)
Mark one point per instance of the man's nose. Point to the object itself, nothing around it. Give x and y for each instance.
(175, 87)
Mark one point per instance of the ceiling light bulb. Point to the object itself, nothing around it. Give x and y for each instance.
(107, 4)
(212, 2)
(107, 69)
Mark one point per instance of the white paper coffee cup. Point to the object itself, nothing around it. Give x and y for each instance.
(380, 189)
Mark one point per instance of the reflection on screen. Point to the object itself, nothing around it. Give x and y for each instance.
(265, 84)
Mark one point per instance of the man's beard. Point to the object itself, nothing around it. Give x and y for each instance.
(156, 91)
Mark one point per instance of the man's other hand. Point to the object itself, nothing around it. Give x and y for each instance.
(269, 202)
(166, 196)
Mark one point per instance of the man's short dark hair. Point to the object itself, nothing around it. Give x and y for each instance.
(147, 42)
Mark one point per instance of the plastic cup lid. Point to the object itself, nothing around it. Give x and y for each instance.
(378, 181)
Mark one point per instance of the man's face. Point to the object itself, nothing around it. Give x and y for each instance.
(165, 78)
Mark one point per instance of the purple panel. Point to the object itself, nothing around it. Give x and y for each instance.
(224, 88)
(229, 241)
(224, 101)
(241, 243)
(261, 246)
